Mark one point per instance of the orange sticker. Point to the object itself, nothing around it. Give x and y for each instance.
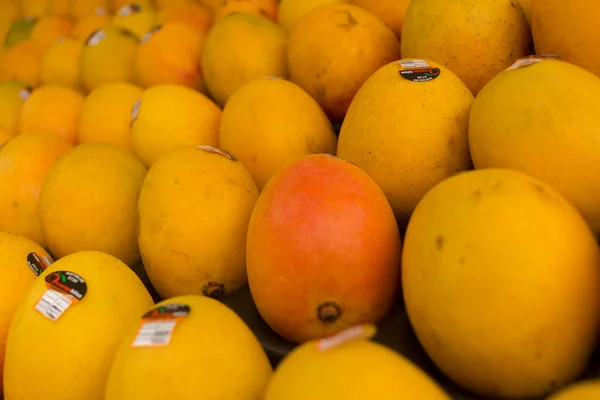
(157, 325)
(526, 61)
(365, 331)
(64, 288)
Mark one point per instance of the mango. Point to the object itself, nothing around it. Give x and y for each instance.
(54, 109)
(24, 164)
(135, 18)
(89, 200)
(48, 30)
(548, 99)
(568, 29)
(12, 97)
(349, 366)
(106, 115)
(108, 56)
(23, 62)
(88, 25)
(172, 116)
(228, 62)
(323, 250)
(170, 54)
(583, 390)
(191, 14)
(266, 8)
(496, 265)
(60, 65)
(407, 128)
(183, 187)
(17, 277)
(107, 298)
(290, 11)
(323, 54)
(210, 348)
(475, 39)
(391, 12)
(80, 9)
(269, 123)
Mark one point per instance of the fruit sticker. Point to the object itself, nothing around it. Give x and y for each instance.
(100, 11)
(158, 324)
(24, 93)
(365, 331)
(135, 111)
(149, 34)
(37, 263)
(221, 152)
(129, 9)
(530, 60)
(418, 71)
(96, 37)
(64, 288)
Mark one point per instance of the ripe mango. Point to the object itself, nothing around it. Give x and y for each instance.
(60, 65)
(194, 210)
(583, 390)
(107, 56)
(501, 281)
(171, 116)
(135, 18)
(170, 54)
(209, 349)
(24, 164)
(568, 29)
(550, 108)
(475, 39)
(349, 366)
(269, 123)
(89, 201)
(17, 277)
(391, 12)
(12, 97)
(113, 299)
(334, 49)
(408, 129)
(290, 11)
(228, 62)
(323, 250)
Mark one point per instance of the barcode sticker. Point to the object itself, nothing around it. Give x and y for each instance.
(155, 333)
(63, 289)
(53, 304)
(157, 326)
(414, 64)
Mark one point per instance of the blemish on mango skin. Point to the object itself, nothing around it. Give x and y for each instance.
(344, 19)
(439, 242)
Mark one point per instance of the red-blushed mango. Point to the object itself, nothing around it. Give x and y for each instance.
(568, 29)
(332, 51)
(266, 8)
(170, 54)
(323, 250)
(391, 12)
(24, 163)
(475, 39)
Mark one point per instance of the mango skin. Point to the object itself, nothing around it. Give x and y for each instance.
(270, 123)
(334, 49)
(323, 250)
(93, 328)
(475, 39)
(194, 210)
(542, 119)
(556, 32)
(495, 265)
(210, 348)
(408, 136)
